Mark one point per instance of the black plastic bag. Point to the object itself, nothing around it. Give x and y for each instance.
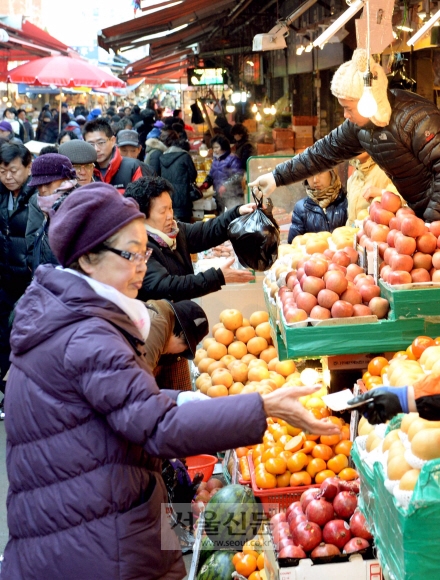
(255, 238)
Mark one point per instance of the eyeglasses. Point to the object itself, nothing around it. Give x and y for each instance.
(137, 258)
(98, 144)
(83, 167)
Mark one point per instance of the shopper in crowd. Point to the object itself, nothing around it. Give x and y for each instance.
(47, 130)
(94, 114)
(323, 209)
(81, 120)
(54, 178)
(135, 115)
(66, 136)
(28, 129)
(88, 420)
(156, 130)
(177, 166)
(143, 127)
(15, 193)
(6, 131)
(366, 182)
(226, 175)
(127, 142)
(44, 108)
(65, 119)
(10, 115)
(65, 111)
(83, 157)
(74, 127)
(111, 167)
(155, 148)
(48, 149)
(402, 137)
(170, 273)
(125, 124)
(243, 147)
(382, 403)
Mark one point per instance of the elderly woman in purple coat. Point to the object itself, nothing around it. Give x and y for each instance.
(86, 424)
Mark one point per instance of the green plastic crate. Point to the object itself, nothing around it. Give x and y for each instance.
(382, 336)
(366, 494)
(408, 540)
(413, 302)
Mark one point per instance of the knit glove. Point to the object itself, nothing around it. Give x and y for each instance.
(189, 396)
(382, 403)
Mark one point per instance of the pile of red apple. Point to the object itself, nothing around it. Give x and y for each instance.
(410, 249)
(205, 491)
(324, 523)
(330, 285)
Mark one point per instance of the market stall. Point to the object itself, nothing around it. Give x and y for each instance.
(372, 491)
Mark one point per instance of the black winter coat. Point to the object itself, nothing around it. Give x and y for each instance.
(48, 132)
(407, 149)
(177, 166)
(244, 149)
(307, 216)
(170, 273)
(15, 275)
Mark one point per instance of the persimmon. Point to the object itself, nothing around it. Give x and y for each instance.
(276, 465)
(324, 474)
(246, 565)
(260, 561)
(338, 462)
(308, 446)
(345, 429)
(283, 480)
(297, 462)
(315, 466)
(284, 438)
(255, 575)
(286, 455)
(249, 548)
(348, 474)
(376, 364)
(420, 344)
(300, 478)
(366, 376)
(241, 451)
(265, 480)
(257, 451)
(321, 451)
(330, 439)
(295, 443)
(411, 355)
(344, 447)
(238, 556)
(271, 453)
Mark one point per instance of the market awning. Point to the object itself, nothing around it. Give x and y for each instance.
(168, 19)
(42, 37)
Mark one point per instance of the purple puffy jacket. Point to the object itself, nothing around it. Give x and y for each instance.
(223, 168)
(85, 427)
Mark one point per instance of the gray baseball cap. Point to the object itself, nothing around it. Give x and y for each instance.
(127, 137)
(79, 152)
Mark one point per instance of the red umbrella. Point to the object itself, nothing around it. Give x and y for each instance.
(63, 71)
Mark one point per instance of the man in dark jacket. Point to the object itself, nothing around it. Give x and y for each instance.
(402, 137)
(170, 272)
(111, 167)
(15, 168)
(177, 166)
(127, 141)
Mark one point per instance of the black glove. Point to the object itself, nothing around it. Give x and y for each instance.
(380, 405)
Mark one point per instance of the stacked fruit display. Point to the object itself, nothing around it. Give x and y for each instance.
(324, 522)
(240, 358)
(410, 249)
(290, 458)
(250, 561)
(205, 491)
(330, 285)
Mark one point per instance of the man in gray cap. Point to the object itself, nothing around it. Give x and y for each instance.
(127, 141)
(83, 157)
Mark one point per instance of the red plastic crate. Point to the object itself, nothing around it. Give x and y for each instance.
(283, 496)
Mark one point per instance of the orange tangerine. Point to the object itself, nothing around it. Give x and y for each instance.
(276, 465)
(308, 446)
(376, 364)
(338, 462)
(330, 439)
(321, 451)
(366, 376)
(241, 451)
(246, 565)
(257, 451)
(260, 561)
(286, 455)
(295, 443)
(284, 438)
(343, 447)
(238, 556)
(271, 452)
(283, 480)
(265, 480)
(255, 575)
(297, 462)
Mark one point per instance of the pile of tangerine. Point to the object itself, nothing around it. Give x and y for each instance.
(250, 562)
(294, 459)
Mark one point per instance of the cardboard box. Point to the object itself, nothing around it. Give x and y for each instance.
(303, 131)
(265, 148)
(356, 569)
(303, 142)
(251, 125)
(304, 120)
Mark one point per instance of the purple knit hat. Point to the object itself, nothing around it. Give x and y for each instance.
(89, 216)
(51, 167)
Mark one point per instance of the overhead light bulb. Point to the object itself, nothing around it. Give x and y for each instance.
(9, 104)
(258, 117)
(266, 110)
(273, 110)
(4, 99)
(250, 63)
(309, 377)
(230, 107)
(203, 150)
(236, 97)
(367, 105)
(300, 49)
(254, 108)
(243, 96)
(309, 47)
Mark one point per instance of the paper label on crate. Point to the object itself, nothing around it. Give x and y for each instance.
(339, 401)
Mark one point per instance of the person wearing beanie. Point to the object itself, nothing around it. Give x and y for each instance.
(402, 137)
(54, 178)
(47, 129)
(111, 167)
(83, 157)
(87, 427)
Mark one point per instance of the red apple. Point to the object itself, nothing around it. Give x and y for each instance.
(420, 275)
(316, 267)
(332, 266)
(352, 295)
(353, 270)
(329, 254)
(292, 314)
(361, 310)
(404, 211)
(326, 298)
(368, 292)
(402, 262)
(320, 313)
(312, 284)
(395, 223)
(390, 201)
(427, 243)
(384, 273)
(404, 244)
(383, 216)
(306, 301)
(436, 260)
(380, 306)
(436, 276)
(352, 253)
(388, 254)
(342, 309)
(379, 232)
(341, 258)
(412, 226)
(434, 228)
(391, 236)
(336, 282)
(398, 277)
(422, 260)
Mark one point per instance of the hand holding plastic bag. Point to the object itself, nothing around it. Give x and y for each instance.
(255, 238)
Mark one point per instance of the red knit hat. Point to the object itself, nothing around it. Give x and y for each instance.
(89, 216)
